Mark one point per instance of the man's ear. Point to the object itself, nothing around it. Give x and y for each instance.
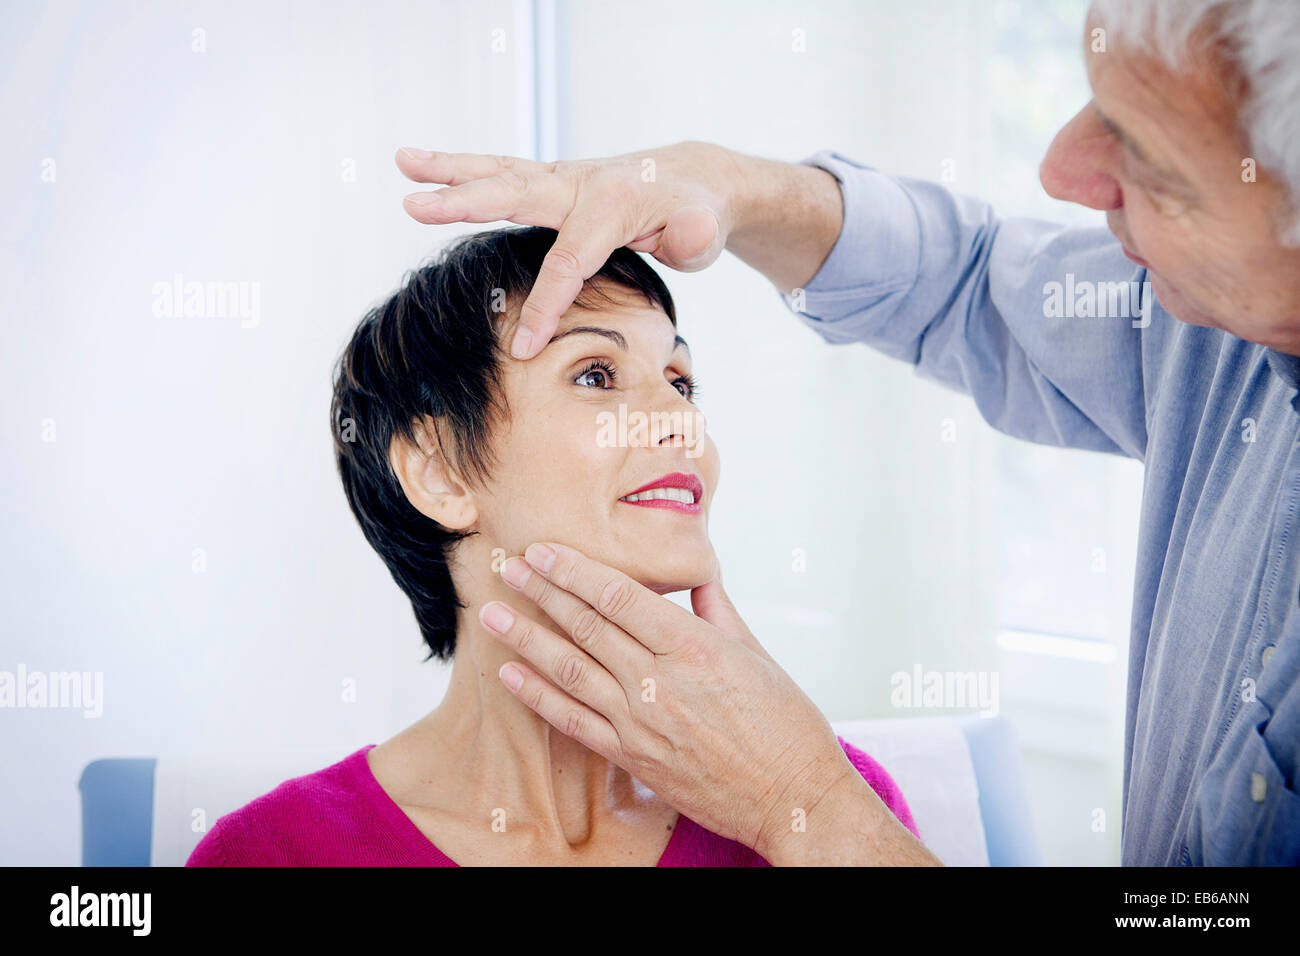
(430, 483)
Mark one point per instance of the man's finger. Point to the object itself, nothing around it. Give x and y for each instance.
(561, 711)
(558, 659)
(621, 655)
(527, 199)
(648, 617)
(587, 237)
(452, 169)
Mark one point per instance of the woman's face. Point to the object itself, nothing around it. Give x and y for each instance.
(601, 412)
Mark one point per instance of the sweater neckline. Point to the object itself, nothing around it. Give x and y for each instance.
(395, 818)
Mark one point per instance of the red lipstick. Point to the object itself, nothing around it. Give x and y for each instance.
(684, 485)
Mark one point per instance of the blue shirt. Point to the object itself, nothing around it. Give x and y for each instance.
(1053, 333)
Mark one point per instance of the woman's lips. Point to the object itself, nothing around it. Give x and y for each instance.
(674, 492)
(666, 503)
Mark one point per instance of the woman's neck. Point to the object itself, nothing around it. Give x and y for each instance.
(506, 764)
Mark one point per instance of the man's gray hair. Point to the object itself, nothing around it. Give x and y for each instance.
(1261, 39)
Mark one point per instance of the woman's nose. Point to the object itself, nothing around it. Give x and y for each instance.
(679, 422)
(1079, 163)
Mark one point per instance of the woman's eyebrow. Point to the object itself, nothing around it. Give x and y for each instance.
(614, 336)
(611, 334)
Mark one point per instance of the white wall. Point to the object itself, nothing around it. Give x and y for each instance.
(918, 550)
(267, 158)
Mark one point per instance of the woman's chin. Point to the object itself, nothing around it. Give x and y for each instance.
(681, 573)
(675, 565)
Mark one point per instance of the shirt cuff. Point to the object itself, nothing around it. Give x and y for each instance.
(878, 251)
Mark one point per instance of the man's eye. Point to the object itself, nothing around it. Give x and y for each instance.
(1164, 200)
(1145, 180)
(596, 375)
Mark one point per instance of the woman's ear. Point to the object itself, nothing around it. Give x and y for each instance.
(431, 485)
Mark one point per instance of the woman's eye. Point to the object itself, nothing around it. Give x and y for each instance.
(687, 386)
(595, 376)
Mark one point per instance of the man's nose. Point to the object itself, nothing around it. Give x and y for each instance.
(1079, 163)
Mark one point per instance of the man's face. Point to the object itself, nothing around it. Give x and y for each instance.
(1161, 155)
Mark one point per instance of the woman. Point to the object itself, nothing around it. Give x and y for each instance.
(454, 457)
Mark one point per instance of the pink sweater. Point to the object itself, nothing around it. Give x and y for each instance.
(341, 816)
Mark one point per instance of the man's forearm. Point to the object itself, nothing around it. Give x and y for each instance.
(788, 217)
(850, 826)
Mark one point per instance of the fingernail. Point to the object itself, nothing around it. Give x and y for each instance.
(422, 199)
(413, 153)
(540, 556)
(516, 572)
(496, 617)
(523, 340)
(511, 677)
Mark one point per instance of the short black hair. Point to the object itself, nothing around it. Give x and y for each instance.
(434, 348)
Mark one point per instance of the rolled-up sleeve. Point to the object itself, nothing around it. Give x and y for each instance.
(1003, 309)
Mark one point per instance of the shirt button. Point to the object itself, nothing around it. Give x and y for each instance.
(1258, 787)
(1267, 653)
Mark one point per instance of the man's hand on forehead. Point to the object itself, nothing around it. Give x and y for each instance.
(672, 203)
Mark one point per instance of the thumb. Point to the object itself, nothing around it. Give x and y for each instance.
(691, 239)
(711, 603)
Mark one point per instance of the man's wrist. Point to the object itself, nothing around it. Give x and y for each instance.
(803, 816)
(786, 218)
(847, 825)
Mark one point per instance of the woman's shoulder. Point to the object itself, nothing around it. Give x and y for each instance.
(284, 826)
(885, 786)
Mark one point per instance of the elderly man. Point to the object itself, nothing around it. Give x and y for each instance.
(1172, 337)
